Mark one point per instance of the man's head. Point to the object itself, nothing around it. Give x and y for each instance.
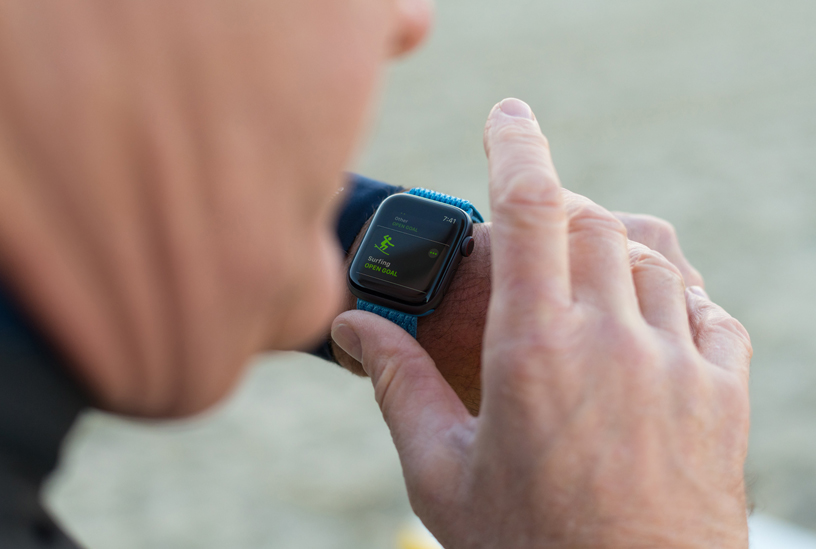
(169, 176)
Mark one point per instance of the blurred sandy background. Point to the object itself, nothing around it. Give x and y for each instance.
(702, 112)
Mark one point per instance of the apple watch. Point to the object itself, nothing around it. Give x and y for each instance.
(409, 254)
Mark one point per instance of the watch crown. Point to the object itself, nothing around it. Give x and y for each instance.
(468, 245)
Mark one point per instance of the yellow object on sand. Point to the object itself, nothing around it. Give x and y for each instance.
(414, 535)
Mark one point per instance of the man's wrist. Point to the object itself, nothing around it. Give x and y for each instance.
(452, 335)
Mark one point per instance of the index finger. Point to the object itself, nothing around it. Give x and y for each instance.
(530, 250)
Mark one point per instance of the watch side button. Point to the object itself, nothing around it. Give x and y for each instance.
(468, 244)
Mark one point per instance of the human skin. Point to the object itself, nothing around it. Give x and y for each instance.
(614, 399)
(452, 336)
(168, 165)
(168, 176)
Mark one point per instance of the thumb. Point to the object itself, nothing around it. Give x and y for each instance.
(417, 403)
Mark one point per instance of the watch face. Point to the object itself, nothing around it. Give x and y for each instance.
(408, 249)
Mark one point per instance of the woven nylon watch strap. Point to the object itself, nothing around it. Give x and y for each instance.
(403, 320)
(460, 203)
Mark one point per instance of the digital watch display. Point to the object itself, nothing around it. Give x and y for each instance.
(409, 253)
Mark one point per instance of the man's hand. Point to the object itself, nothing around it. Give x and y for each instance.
(615, 401)
(452, 336)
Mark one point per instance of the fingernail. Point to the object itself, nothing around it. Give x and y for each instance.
(517, 109)
(698, 291)
(347, 339)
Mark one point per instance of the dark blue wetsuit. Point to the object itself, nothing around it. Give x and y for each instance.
(39, 401)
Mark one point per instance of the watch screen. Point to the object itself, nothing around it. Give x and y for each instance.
(407, 247)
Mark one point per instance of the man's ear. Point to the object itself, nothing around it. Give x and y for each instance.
(414, 19)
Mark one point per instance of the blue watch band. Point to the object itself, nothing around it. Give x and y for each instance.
(403, 320)
(448, 199)
(407, 321)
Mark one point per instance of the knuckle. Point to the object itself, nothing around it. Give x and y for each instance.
(663, 230)
(642, 258)
(694, 277)
(735, 328)
(652, 231)
(665, 235)
(711, 320)
(528, 185)
(518, 134)
(634, 225)
(585, 215)
(714, 316)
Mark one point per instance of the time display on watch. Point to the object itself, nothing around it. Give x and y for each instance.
(408, 250)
